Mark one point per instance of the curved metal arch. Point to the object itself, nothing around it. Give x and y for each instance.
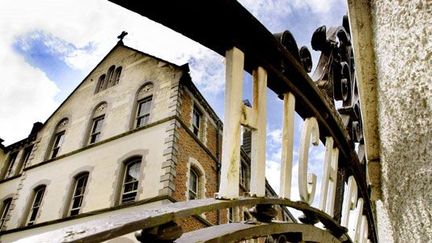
(244, 231)
(111, 227)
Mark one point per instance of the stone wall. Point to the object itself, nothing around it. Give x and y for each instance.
(403, 47)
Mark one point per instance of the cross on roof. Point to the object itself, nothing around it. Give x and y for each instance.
(121, 36)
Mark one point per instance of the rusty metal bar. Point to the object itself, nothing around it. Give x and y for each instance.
(107, 228)
(243, 231)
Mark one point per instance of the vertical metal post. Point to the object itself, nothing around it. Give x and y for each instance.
(287, 145)
(229, 184)
(258, 153)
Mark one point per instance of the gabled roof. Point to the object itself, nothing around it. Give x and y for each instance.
(119, 44)
(185, 79)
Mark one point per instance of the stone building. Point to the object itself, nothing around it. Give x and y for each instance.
(136, 133)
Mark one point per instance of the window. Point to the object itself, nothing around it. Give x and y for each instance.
(196, 120)
(110, 75)
(5, 210)
(230, 215)
(117, 75)
(25, 159)
(109, 79)
(244, 175)
(36, 203)
(12, 160)
(96, 129)
(143, 113)
(101, 83)
(58, 141)
(193, 184)
(78, 194)
(58, 138)
(130, 181)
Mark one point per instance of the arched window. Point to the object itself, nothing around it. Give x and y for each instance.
(131, 175)
(101, 85)
(193, 184)
(144, 102)
(117, 75)
(58, 138)
(97, 123)
(80, 183)
(110, 76)
(36, 202)
(195, 180)
(4, 211)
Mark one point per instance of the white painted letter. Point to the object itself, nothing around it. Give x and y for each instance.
(307, 181)
(330, 175)
(350, 200)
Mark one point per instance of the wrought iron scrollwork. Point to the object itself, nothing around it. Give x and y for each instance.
(335, 72)
(303, 56)
(335, 75)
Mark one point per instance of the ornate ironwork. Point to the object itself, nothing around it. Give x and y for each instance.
(232, 31)
(335, 74)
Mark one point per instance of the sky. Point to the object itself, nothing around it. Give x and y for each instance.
(47, 47)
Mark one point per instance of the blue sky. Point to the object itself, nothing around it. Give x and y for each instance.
(50, 46)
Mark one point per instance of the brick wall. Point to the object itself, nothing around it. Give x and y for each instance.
(189, 148)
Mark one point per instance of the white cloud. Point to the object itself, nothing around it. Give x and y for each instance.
(316, 6)
(275, 136)
(27, 95)
(269, 12)
(71, 27)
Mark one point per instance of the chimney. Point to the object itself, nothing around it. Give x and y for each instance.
(36, 128)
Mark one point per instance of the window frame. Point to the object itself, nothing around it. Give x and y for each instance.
(24, 159)
(34, 209)
(139, 116)
(196, 193)
(11, 162)
(134, 182)
(244, 175)
(57, 143)
(101, 85)
(5, 210)
(117, 74)
(80, 197)
(95, 136)
(197, 118)
(110, 76)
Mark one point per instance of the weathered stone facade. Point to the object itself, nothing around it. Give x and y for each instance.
(166, 146)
